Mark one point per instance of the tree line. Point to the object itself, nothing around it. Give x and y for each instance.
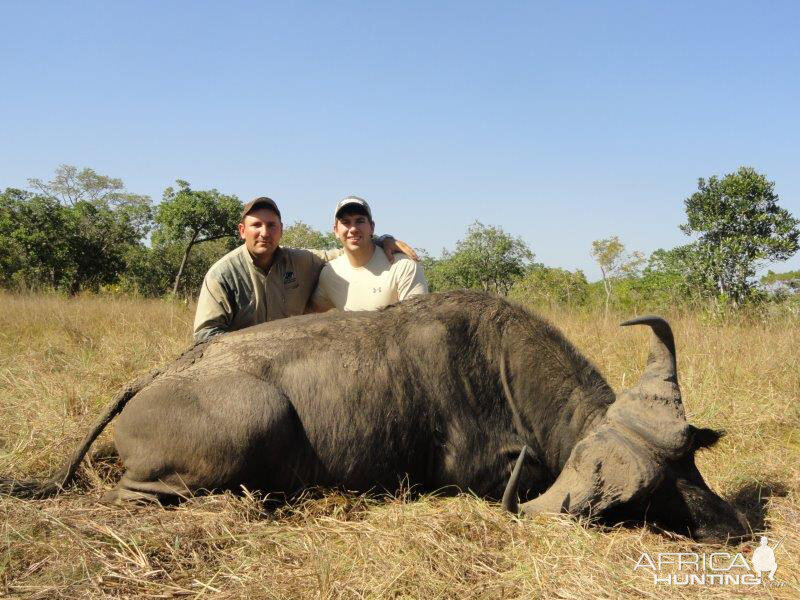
(735, 224)
(84, 231)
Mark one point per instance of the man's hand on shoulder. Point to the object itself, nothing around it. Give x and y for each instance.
(392, 246)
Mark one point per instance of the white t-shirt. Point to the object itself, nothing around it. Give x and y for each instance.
(373, 286)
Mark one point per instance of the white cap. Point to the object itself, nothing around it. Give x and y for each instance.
(355, 201)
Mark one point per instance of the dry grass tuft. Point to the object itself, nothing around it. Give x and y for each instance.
(61, 360)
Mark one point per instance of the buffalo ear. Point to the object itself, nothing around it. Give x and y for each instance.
(705, 437)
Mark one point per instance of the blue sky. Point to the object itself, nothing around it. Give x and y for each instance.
(560, 122)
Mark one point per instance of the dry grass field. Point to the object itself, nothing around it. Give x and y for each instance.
(61, 360)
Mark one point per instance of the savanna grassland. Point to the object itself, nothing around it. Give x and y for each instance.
(61, 360)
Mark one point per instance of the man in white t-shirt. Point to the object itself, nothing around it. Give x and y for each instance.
(363, 279)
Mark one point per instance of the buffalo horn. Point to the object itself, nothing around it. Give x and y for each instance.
(510, 502)
(661, 365)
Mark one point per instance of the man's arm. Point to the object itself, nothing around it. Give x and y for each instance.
(320, 300)
(390, 247)
(325, 255)
(214, 313)
(411, 280)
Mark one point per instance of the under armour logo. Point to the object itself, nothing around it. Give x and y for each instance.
(376, 290)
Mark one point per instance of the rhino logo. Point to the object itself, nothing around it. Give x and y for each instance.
(764, 558)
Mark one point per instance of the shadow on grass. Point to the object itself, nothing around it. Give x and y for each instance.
(752, 500)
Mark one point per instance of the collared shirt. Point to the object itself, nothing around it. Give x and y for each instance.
(237, 294)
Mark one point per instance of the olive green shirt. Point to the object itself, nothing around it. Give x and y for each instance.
(237, 294)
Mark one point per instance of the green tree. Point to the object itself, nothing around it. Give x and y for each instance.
(300, 235)
(615, 263)
(11, 259)
(31, 255)
(773, 277)
(74, 188)
(48, 244)
(487, 258)
(150, 271)
(790, 277)
(782, 283)
(739, 224)
(192, 217)
(671, 276)
(551, 286)
(107, 222)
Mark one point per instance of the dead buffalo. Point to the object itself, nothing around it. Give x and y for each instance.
(444, 391)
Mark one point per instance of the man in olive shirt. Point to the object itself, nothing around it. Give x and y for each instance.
(259, 281)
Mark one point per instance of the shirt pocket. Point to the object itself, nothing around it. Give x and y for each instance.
(295, 298)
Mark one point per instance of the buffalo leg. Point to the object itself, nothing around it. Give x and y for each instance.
(227, 433)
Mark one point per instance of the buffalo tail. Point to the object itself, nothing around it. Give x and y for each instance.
(36, 489)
